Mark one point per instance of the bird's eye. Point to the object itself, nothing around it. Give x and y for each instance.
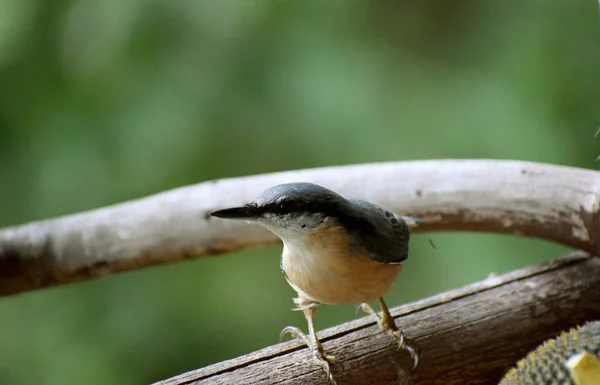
(303, 226)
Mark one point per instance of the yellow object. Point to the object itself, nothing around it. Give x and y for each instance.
(572, 358)
(584, 368)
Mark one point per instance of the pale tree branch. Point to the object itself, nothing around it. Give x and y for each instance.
(522, 198)
(471, 335)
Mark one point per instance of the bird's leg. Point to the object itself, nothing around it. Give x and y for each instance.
(312, 342)
(386, 322)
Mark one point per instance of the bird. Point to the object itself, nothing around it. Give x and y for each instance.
(572, 358)
(335, 251)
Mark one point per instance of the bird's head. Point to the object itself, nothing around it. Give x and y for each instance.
(291, 210)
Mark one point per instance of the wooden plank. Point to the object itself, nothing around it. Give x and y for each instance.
(470, 335)
(522, 198)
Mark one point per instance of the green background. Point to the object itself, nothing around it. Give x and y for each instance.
(106, 101)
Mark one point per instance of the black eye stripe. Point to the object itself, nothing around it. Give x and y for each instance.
(326, 208)
(332, 209)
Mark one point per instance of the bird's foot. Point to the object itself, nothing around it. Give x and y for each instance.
(368, 309)
(319, 356)
(407, 344)
(387, 323)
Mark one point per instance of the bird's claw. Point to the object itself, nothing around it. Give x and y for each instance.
(295, 333)
(325, 362)
(319, 356)
(367, 309)
(407, 344)
(388, 324)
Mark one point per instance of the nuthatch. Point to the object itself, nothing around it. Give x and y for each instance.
(335, 251)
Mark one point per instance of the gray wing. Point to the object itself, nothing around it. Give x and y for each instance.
(384, 235)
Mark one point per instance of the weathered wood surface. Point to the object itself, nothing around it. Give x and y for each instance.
(470, 335)
(529, 199)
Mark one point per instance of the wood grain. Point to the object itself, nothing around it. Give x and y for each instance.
(522, 198)
(470, 335)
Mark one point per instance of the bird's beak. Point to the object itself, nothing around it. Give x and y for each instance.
(244, 212)
(412, 221)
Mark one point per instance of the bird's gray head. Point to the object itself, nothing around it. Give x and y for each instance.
(294, 210)
(291, 209)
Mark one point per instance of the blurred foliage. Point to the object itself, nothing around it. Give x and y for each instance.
(105, 101)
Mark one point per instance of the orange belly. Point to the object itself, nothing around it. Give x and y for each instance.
(322, 270)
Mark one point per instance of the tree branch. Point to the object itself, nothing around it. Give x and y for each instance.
(528, 199)
(470, 335)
